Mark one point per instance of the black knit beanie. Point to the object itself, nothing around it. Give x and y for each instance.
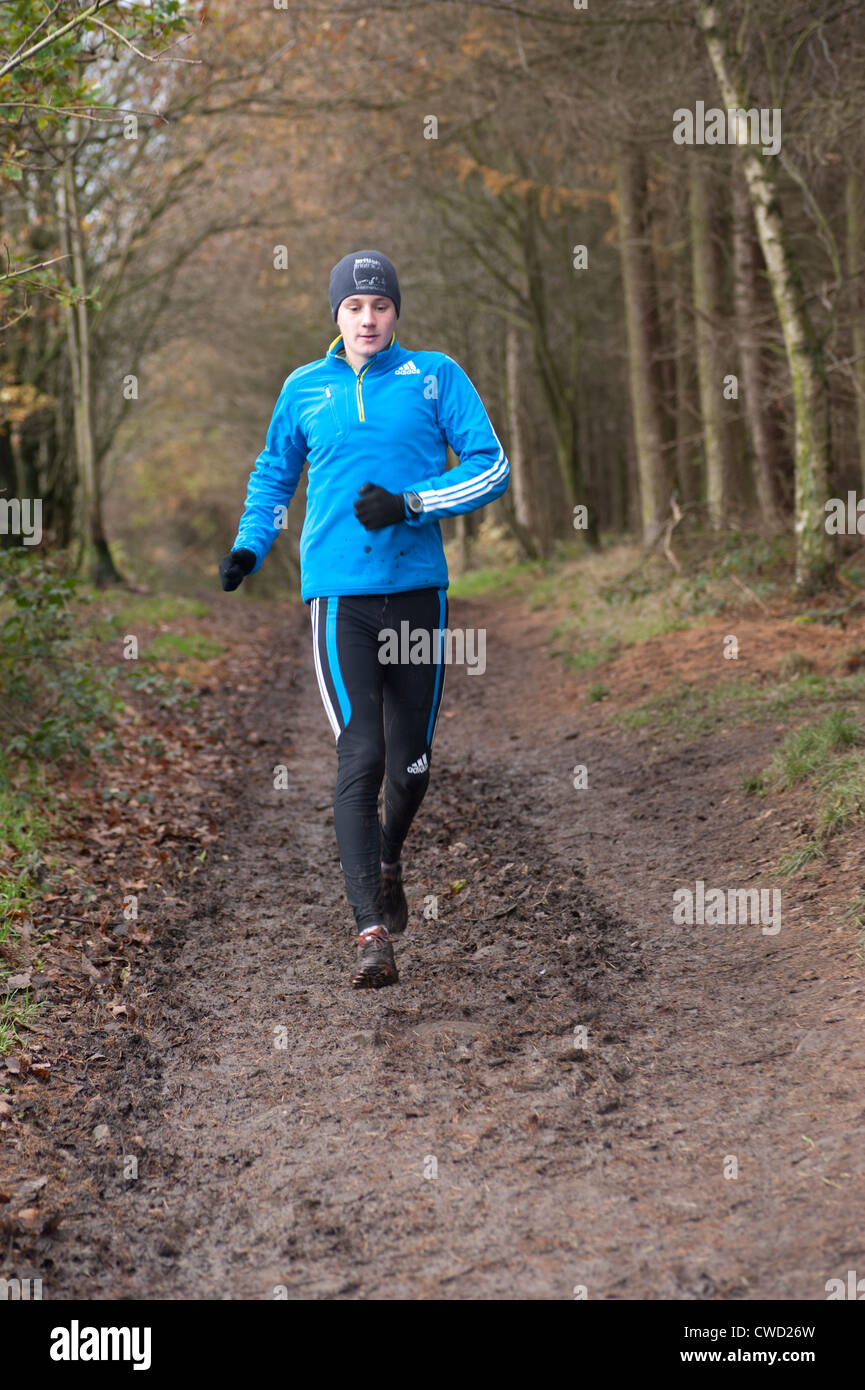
(363, 272)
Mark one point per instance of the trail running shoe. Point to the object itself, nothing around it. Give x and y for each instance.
(376, 965)
(394, 908)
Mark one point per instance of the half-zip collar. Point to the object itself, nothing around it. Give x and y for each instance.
(380, 361)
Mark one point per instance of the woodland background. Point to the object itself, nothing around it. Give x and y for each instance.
(176, 182)
(674, 692)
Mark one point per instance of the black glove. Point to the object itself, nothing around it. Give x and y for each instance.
(235, 567)
(376, 507)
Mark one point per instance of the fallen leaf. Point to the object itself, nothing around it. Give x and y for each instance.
(16, 982)
(29, 1187)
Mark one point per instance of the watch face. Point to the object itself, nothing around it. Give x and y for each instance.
(415, 505)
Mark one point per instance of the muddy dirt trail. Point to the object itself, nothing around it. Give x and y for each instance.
(446, 1138)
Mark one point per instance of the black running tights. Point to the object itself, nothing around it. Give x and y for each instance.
(383, 714)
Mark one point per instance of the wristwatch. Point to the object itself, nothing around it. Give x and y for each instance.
(414, 504)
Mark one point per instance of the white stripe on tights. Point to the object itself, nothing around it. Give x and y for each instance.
(326, 700)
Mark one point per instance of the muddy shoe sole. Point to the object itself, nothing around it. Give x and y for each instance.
(376, 967)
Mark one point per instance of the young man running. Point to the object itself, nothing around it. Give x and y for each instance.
(374, 421)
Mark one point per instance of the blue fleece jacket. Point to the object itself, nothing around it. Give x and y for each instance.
(389, 423)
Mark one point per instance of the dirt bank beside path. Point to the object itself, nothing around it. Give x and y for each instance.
(446, 1138)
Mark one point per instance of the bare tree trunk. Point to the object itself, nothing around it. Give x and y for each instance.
(814, 549)
(465, 537)
(557, 374)
(856, 273)
(92, 530)
(642, 334)
(82, 497)
(711, 367)
(688, 460)
(752, 385)
(521, 514)
(516, 451)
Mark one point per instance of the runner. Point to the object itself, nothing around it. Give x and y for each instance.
(374, 421)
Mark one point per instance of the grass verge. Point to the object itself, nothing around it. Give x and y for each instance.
(23, 832)
(601, 603)
(829, 757)
(693, 711)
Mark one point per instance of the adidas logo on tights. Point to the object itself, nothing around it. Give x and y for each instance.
(420, 766)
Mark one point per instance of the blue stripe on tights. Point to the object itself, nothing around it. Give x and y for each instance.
(333, 661)
(441, 624)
